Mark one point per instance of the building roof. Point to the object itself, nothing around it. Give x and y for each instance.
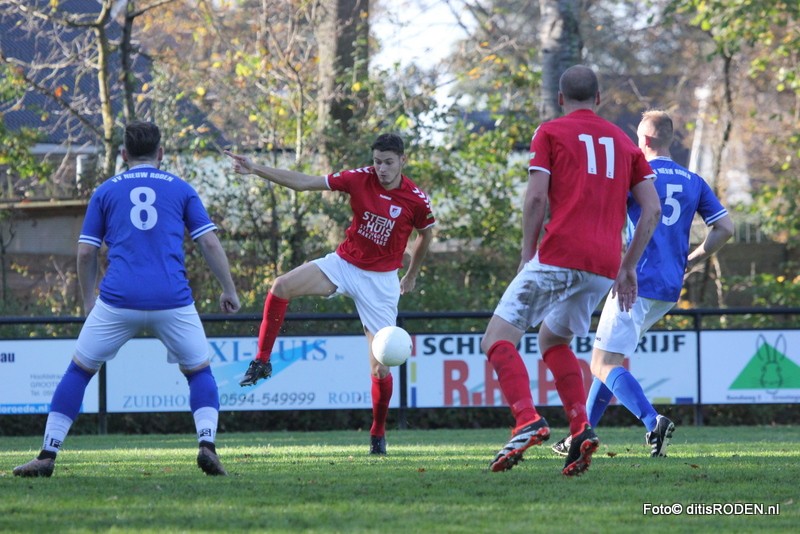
(22, 43)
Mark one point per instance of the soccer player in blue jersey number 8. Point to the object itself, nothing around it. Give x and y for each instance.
(142, 215)
(661, 271)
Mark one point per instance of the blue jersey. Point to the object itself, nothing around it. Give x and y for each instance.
(142, 215)
(682, 193)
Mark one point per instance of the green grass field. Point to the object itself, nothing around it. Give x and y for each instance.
(431, 482)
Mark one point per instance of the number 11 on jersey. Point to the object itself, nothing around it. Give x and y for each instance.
(591, 158)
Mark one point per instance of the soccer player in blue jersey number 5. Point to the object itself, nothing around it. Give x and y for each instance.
(142, 215)
(661, 271)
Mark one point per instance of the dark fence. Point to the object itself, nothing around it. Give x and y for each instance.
(695, 320)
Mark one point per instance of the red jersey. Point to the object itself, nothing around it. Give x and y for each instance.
(593, 165)
(382, 220)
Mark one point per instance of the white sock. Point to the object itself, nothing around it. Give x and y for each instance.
(55, 431)
(205, 421)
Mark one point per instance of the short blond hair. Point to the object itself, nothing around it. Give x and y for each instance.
(662, 124)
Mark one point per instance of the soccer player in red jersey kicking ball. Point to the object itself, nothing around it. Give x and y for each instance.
(387, 207)
(583, 167)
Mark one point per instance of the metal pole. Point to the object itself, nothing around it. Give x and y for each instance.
(402, 420)
(102, 414)
(698, 407)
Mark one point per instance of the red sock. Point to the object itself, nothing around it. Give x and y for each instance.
(274, 312)
(514, 381)
(569, 383)
(381, 395)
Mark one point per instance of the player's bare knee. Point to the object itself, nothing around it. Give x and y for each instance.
(194, 369)
(84, 366)
(597, 368)
(603, 362)
(379, 370)
(281, 287)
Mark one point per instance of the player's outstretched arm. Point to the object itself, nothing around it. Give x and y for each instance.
(421, 245)
(217, 261)
(291, 179)
(721, 231)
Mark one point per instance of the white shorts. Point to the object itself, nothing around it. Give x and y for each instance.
(563, 298)
(620, 331)
(107, 328)
(376, 294)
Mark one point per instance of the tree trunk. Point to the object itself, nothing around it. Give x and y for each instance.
(342, 37)
(126, 58)
(561, 46)
(104, 92)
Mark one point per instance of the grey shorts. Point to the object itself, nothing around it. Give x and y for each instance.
(564, 299)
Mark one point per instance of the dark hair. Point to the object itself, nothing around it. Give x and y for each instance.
(142, 139)
(389, 143)
(578, 83)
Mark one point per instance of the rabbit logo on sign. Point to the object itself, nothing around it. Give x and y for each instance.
(770, 369)
(772, 356)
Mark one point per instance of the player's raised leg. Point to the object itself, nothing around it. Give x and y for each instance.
(304, 280)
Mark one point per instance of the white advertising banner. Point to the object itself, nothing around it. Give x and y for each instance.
(449, 370)
(445, 370)
(750, 367)
(308, 373)
(31, 369)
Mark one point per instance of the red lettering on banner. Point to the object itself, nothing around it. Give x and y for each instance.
(456, 373)
(491, 384)
(546, 384)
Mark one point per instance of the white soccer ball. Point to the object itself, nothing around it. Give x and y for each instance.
(391, 346)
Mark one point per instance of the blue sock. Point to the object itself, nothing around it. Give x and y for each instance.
(68, 395)
(203, 390)
(597, 401)
(630, 393)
